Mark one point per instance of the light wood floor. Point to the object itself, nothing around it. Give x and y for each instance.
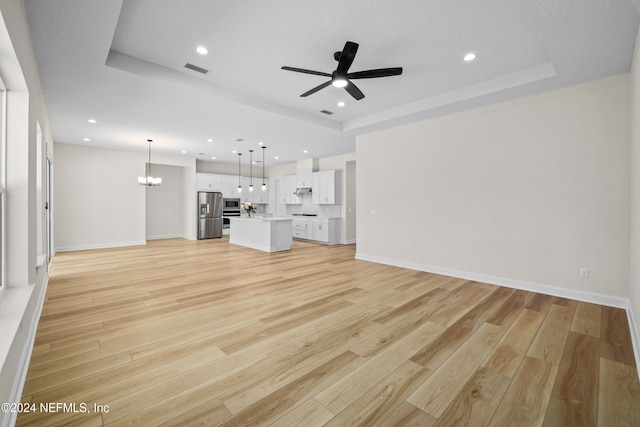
(206, 333)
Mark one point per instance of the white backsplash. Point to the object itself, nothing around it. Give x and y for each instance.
(310, 208)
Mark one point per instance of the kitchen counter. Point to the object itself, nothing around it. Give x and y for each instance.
(269, 234)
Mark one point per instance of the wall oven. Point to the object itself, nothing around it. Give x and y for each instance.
(230, 208)
(231, 203)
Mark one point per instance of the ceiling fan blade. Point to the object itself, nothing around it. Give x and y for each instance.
(317, 88)
(354, 91)
(302, 70)
(346, 57)
(380, 72)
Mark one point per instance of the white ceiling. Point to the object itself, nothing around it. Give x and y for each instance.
(122, 64)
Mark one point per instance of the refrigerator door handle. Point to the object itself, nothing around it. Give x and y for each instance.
(208, 211)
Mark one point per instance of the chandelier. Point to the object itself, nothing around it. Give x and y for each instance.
(149, 181)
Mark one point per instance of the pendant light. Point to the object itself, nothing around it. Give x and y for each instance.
(264, 186)
(149, 181)
(251, 171)
(239, 177)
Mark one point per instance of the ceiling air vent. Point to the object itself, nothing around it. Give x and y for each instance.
(196, 68)
(327, 112)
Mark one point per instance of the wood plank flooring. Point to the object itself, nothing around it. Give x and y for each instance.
(182, 333)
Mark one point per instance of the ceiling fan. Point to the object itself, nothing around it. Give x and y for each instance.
(341, 77)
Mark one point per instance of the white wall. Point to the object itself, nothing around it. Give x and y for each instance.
(203, 166)
(634, 257)
(99, 202)
(524, 192)
(164, 209)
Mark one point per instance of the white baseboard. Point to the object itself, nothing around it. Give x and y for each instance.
(591, 297)
(99, 246)
(166, 236)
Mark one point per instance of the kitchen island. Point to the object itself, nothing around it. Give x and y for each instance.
(269, 234)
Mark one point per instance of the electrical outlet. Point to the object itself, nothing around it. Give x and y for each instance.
(584, 273)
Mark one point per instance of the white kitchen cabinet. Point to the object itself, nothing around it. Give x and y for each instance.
(259, 196)
(327, 187)
(208, 182)
(304, 179)
(301, 228)
(246, 195)
(320, 229)
(285, 192)
(230, 186)
(323, 230)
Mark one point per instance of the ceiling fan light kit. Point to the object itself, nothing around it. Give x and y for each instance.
(341, 78)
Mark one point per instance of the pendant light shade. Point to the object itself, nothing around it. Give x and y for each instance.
(149, 181)
(239, 177)
(264, 185)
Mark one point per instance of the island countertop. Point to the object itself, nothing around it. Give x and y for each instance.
(265, 218)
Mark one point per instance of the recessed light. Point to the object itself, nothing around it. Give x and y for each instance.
(305, 151)
(184, 151)
(470, 56)
(209, 140)
(92, 121)
(276, 158)
(341, 104)
(213, 158)
(234, 151)
(86, 139)
(202, 50)
(260, 143)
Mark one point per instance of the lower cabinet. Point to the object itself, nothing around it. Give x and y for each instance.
(320, 229)
(300, 228)
(324, 230)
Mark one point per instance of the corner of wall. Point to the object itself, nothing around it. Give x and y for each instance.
(633, 310)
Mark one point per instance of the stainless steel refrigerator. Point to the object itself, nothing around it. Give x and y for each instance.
(209, 215)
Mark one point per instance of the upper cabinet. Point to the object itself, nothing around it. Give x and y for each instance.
(304, 178)
(327, 187)
(257, 195)
(260, 196)
(230, 186)
(288, 185)
(208, 182)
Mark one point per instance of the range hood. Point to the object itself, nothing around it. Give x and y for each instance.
(303, 191)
